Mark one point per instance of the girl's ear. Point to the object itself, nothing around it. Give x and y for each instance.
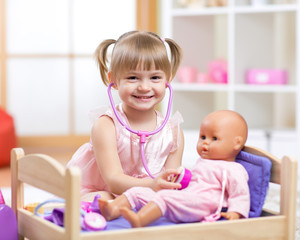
(111, 80)
(237, 143)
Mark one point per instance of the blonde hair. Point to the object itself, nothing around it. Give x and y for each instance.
(138, 49)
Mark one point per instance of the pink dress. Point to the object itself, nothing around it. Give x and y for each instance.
(202, 197)
(157, 149)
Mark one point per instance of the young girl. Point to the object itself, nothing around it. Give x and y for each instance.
(111, 162)
(222, 136)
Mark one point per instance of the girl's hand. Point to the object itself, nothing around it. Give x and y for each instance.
(164, 180)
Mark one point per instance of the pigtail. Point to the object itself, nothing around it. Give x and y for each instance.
(176, 55)
(102, 60)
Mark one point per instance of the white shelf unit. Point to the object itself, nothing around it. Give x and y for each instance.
(246, 37)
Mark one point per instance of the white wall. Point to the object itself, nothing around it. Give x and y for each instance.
(49, 92)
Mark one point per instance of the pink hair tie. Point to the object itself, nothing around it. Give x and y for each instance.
(163, 39)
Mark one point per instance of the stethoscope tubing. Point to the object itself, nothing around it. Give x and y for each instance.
(142, 134)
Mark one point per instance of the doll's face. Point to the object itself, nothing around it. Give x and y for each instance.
(220, 136)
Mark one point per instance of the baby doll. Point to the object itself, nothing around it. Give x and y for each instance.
(222, 136)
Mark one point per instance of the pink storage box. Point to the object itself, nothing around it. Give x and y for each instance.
(266, 76)
(217, 71)
(187, 74)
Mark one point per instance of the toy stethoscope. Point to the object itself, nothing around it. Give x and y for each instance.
(91, 221)
(144, 134)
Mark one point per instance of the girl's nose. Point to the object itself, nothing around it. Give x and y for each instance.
(144, 85)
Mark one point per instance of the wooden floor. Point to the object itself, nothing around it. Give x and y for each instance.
(63, 155)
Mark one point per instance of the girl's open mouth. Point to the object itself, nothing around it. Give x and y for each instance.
(143, 97)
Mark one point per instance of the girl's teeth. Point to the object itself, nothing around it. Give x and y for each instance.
(144, 97)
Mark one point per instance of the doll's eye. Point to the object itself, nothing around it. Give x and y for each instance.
(215, 138)
(203, 137)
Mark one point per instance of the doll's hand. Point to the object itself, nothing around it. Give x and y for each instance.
(231, 215)
(163, 180)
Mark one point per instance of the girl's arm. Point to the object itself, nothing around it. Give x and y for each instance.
(174, 160)
(105, 148)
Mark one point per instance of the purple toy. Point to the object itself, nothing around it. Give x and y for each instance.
(8, 222)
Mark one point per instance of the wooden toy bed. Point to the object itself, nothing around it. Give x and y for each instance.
(46, 173)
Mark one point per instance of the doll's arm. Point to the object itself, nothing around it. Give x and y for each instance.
(238, 192)
(105, 149)
(231, 215)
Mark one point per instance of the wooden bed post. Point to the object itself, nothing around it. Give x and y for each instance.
(288, 194)
(72, 210)
(17, 187)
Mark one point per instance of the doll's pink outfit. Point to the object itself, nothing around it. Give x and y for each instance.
(202, 197)
(157, 149)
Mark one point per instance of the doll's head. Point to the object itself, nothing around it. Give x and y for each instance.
(138, 50)
(222, 135)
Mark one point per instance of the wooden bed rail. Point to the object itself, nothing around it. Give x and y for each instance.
(48, 174)
(58, 180)
(276, 162)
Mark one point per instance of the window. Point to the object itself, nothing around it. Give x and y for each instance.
(49, 77)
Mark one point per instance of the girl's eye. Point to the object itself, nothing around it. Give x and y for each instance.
(156, 78)
(203, 137)
(132, 78)
(215, 138)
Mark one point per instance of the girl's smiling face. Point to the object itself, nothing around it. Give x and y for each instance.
(141, 89)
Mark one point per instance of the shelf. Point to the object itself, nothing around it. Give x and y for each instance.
(210, 87)
(265, 88)
(196, 87)
(266, 8)
(185, 12)
(248, 37)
